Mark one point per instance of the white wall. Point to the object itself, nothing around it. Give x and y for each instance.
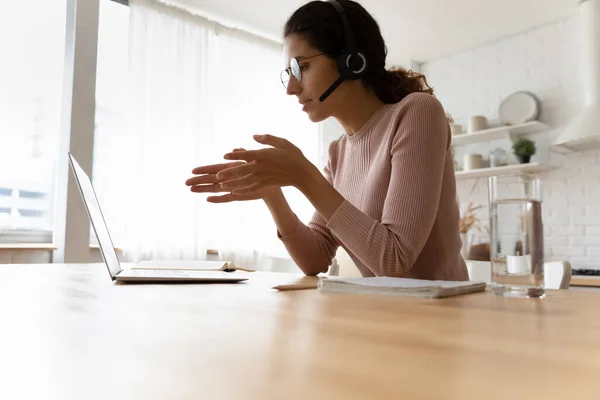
(543, 61)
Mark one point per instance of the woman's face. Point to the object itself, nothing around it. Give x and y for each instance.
(318, 73)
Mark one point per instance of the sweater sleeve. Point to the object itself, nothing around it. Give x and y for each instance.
(418, 152)
(312, 246)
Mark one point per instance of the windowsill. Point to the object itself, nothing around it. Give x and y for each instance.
(51, 246)
(20, 236)
(27, 246)
(37, 246)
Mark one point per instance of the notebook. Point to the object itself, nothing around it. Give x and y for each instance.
(301, 283)
(399, 286)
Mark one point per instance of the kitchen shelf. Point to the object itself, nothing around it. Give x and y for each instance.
(512, 169)
(509, 131)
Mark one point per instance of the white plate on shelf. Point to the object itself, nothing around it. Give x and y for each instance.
(518, 108)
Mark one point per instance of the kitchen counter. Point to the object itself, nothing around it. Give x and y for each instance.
(584, 280)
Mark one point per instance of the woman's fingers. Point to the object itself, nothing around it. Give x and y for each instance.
(207, 189)
(234, 184)
(201, 180)
(246, 190)
(275, 141)
(247, 155)
(236, 172)
(207, 174)
(228, 198)
(215, 168)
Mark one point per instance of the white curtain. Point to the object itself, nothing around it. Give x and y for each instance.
(196, 90)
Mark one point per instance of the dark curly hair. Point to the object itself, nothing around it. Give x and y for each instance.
(320, 24)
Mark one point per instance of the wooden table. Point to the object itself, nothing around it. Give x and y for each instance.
(68, 332)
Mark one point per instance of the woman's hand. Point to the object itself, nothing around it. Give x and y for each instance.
(281, 165)
(260, 174)
(206, 182)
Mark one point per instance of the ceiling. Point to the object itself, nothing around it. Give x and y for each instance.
(417, 30)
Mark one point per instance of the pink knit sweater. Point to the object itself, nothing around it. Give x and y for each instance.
(400, 216)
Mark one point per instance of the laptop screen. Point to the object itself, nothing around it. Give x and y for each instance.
(93, 208)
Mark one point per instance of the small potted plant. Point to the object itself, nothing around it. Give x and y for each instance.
(524, 149)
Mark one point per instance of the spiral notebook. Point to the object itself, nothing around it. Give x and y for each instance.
(400, 286)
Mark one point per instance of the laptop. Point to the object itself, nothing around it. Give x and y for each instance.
(143, 272)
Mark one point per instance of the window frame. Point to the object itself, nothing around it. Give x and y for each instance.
(44, 236)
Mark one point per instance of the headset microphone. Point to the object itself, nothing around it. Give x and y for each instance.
(334, 86)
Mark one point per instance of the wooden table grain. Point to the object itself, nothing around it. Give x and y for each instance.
(69, 332)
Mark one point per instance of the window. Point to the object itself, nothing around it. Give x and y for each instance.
(188, 103)
(24, 213)
(31, 75)
(111, 104)
(24, 194)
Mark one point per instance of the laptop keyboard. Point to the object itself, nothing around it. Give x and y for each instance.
(159, 273)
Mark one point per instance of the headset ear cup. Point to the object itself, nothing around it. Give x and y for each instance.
(341, 64)
(351, 66)
(358, 64)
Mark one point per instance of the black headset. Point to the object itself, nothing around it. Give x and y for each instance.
(351, 63)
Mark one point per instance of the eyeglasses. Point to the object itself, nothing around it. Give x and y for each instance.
(294, 70)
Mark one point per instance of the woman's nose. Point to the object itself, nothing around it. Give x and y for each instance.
(294, 86)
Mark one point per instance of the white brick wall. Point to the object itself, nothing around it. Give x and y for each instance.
(545, 62)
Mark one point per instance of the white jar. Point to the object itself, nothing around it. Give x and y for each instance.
(498, 157)
(456, 129)
(477, 123)
(472, 161)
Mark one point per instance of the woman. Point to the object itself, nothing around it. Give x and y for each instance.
(388, 194)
